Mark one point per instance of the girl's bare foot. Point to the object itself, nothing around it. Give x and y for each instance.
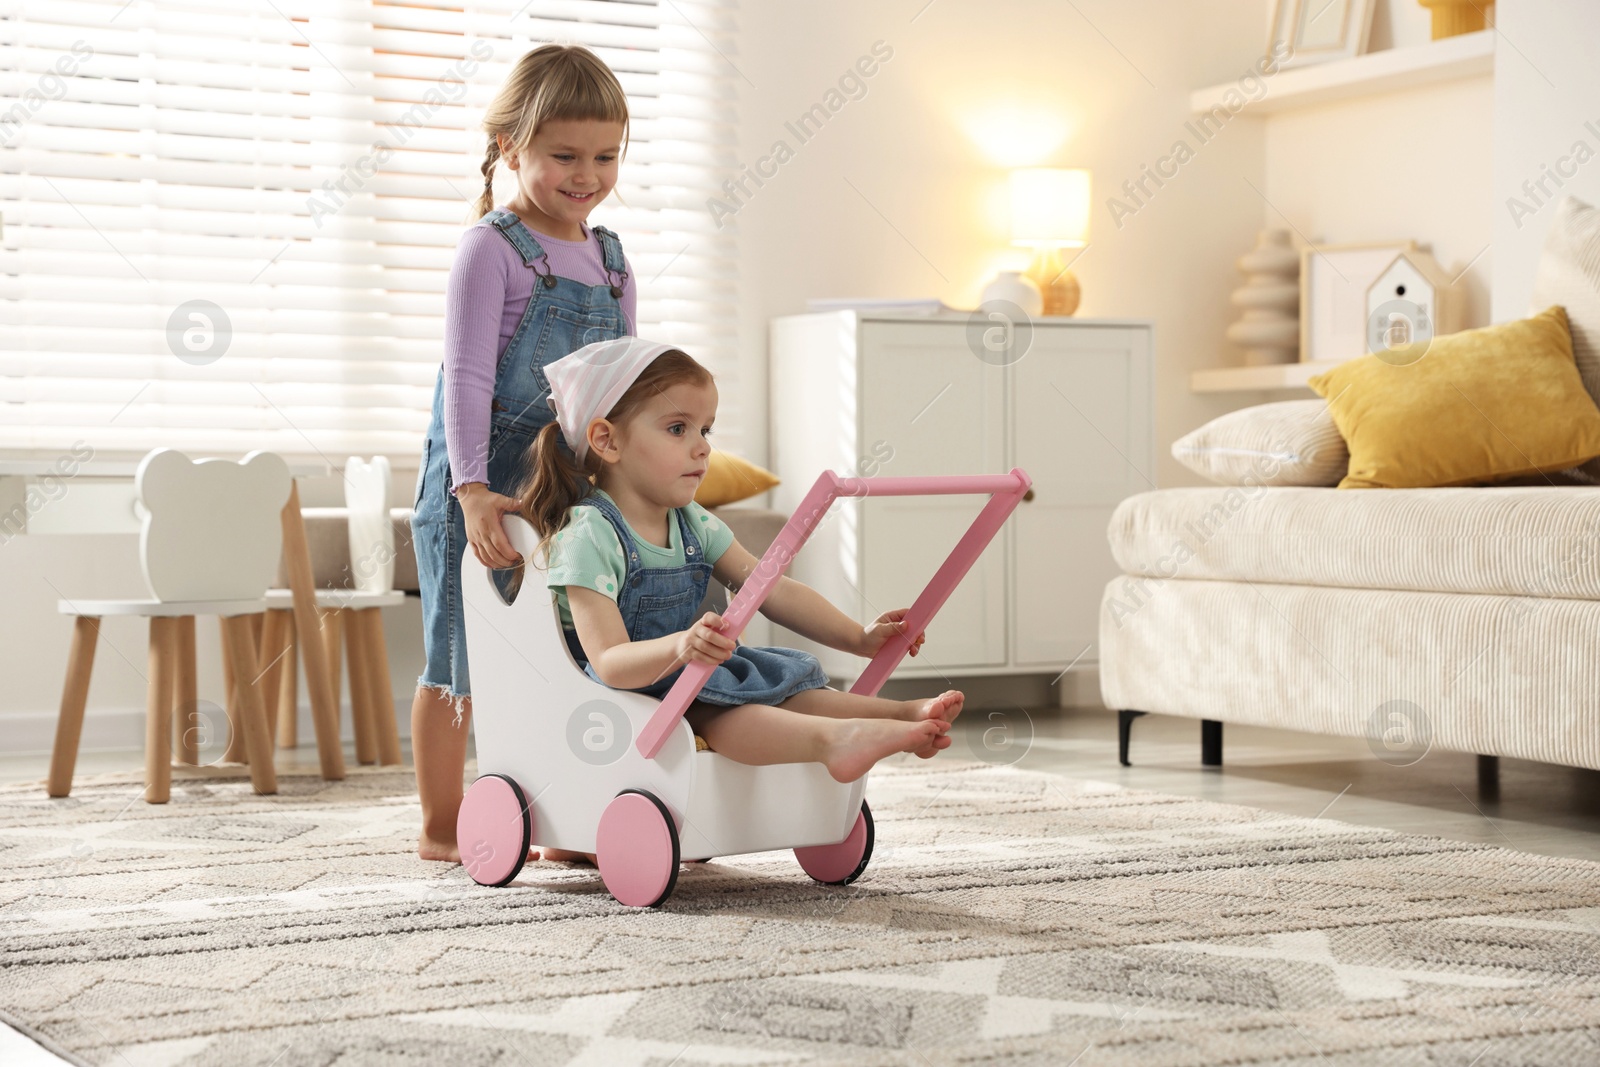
(859, 743)
(444, 851)
(946, 706)
(450, 852)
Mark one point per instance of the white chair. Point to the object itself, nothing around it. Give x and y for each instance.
(348, 617)
(209, 544)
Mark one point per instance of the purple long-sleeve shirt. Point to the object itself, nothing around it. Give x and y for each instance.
(485, 298)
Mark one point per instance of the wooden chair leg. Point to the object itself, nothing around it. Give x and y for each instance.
(158, 709)
(186, 724)
(331, 630)
(324, 697)
(272, 651)
(236, 752)
(382, 689)
(239, 633)
(289, 692)
(358, 656)
(74, 695)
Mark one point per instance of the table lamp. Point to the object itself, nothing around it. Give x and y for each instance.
(1049, 212)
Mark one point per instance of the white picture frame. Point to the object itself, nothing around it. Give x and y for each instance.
(1316, 31)
(1333, 296)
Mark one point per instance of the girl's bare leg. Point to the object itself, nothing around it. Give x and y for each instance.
(760, 734)
(439, 754)
(840, 705)
(833, 703)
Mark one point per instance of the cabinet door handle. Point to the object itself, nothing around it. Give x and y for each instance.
(1027, 496)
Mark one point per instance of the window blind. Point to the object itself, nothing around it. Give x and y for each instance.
(228, 225)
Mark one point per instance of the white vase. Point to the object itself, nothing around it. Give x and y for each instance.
(1016, 287)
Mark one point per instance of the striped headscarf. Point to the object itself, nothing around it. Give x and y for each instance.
(587, 384)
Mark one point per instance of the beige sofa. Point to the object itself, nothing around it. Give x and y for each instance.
(1464, 619)
(1468, 617)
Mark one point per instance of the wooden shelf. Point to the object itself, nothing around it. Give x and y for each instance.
(1251, 379)
(1463, 56)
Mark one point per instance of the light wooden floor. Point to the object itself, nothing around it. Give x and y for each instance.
(1541, 808)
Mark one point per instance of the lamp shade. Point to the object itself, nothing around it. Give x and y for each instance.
(1050, 206)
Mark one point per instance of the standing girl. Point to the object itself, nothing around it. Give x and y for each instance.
(530, 284)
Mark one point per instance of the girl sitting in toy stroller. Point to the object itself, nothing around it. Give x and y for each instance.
(611, 495)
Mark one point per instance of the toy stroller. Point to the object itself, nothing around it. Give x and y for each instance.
(569, 763)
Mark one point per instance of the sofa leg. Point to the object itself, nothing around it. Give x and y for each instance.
(1488, 776)
(1210, 743)
(1124, 732)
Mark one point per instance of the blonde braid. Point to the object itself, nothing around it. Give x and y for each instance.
(490, 158)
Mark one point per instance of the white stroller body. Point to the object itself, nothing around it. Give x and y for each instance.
(567, 762)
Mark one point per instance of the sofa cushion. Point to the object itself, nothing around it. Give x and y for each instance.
(1289, 442)
(1476, 406)
(730, 479)
(1521, 541)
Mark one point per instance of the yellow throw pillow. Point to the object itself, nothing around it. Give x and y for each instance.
(1477, 406)
(729, 479)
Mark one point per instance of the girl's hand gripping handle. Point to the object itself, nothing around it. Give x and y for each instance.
(482, 509)
(704, 642)
(887, 625)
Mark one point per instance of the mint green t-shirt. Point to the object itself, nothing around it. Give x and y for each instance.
(587, 551)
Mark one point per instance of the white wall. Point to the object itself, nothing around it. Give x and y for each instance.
(1546, 102)
(1412, 164)
(1415, 164)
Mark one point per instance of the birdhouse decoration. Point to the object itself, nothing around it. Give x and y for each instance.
(1408, 304)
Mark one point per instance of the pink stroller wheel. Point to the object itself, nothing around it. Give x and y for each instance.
(637, 846)
(493, 829)
(843, 863)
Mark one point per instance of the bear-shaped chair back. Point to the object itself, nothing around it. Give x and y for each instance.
(211, 528)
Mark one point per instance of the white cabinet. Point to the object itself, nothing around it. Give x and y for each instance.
(870, 394)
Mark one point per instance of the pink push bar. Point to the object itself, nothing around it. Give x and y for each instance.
(1005, 492)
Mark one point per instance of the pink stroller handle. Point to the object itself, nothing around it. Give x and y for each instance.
(1005, 492)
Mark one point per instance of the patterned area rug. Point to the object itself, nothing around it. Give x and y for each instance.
(1007, 917)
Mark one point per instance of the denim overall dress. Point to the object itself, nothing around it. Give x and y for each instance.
(562, 316)
(656, 601)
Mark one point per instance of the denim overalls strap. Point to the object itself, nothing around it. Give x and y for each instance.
(653, 601)
(611, 257)
(533, 255)
(562, 316)
(656, 601)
